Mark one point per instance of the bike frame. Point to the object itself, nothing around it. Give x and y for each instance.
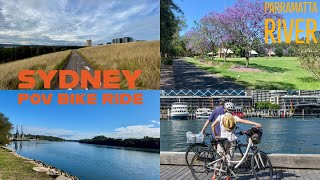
(238, 163)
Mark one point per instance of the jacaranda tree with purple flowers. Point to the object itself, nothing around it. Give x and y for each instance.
(197, 41)
(242, 25)
(246, 20)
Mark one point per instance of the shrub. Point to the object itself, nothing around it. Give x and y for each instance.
(279, 52)
(166, 61)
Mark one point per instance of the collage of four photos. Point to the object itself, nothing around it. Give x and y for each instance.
(159, 89)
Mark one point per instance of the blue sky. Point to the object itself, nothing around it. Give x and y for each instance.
(71, 22)
(84, 121)
(195, 10)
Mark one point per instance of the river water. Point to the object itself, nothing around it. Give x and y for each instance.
(92, 161)
(295, 136)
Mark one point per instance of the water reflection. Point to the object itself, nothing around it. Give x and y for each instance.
(92, 161)
(301, 136)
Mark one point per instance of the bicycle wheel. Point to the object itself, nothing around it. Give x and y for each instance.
(261, 166)
(202, 168)
(194, 148)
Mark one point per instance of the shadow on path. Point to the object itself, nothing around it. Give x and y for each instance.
(188, 76)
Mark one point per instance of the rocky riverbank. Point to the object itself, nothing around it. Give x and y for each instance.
(40, 167)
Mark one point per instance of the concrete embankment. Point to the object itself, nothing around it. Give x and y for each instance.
(40, 167)
(301, 161)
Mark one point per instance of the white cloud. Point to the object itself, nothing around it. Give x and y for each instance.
(134, 131)
(72, 22)
(156, 122)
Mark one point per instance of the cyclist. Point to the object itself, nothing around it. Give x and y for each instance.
(227, 124)
(215, 113)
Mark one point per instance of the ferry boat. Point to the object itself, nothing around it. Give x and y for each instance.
(179, 111)
(203, 113)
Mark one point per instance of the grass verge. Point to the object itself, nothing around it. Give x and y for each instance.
(9, 71)
(143, 56)
(13, 167)
(275, 72)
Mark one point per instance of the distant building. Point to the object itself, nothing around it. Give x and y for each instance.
(222, 52)
(100, 44)
(109, 42)
(89, 43)
(122, 40)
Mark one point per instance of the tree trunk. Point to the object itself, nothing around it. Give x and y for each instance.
(247, 61)
(212, 54)
(225, 58)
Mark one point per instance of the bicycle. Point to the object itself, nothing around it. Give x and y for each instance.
(198, 148)
(261, 166)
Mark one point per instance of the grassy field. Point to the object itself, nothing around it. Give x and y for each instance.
(12, 167)
(143, 56)
(9, 71)
(275, 72)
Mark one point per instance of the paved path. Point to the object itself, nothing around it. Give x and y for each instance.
(166, 77)
(188, 76)
(183, 172)
(77, 63)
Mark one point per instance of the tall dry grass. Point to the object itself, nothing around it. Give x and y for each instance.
(9, 71)
(143, 56)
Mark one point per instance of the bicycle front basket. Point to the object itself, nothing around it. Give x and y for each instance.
(194, 138)
(256, 135)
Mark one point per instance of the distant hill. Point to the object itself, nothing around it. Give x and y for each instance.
(42, 137)
(146, 142)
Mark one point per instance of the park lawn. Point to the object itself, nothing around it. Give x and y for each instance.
(13, 167)
(276, 72)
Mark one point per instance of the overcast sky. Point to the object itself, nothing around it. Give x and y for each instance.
(71, 22)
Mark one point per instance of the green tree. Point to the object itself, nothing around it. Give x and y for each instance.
(169, 25)
(309, 56)
(291, 51)
(262, 105)
(274, 106)
(5, 128)
(267, 105)
(279, 52)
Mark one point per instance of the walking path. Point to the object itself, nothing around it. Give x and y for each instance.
(77, 63)
(188, 76)
(183, 172)
(166, 77)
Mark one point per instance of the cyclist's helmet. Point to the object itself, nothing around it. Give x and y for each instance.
(229, 106)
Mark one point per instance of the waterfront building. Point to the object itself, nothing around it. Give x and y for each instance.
(309, 92)
(287, 99)
(203, 99)
(270, 95)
